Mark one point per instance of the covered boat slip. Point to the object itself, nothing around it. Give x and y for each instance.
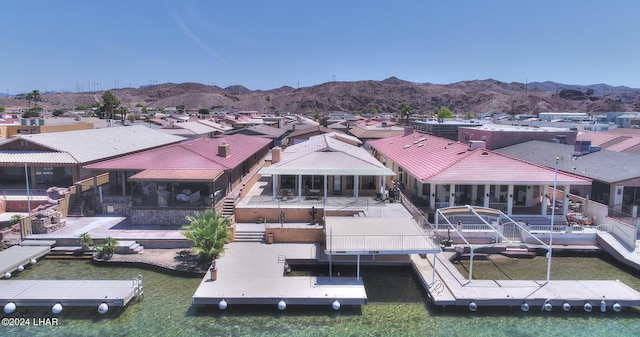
(375, 236)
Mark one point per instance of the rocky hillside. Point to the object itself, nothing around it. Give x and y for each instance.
(477, 96)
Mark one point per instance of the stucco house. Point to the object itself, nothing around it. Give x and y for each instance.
(164, 185)
(442, 173)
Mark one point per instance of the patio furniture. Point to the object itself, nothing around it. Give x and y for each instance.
(580, 219)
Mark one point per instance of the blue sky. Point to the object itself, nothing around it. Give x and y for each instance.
(72, 44)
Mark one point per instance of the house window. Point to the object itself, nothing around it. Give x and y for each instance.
(349, 182)
(426, 189)
(368, 183)
(14, 171)
(288, 182)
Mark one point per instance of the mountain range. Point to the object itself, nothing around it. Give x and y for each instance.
(477, 96)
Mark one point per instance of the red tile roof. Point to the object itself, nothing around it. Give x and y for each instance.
(201, 153)
(422, 155)
(492, 167)
(599, 138)
(440, 160)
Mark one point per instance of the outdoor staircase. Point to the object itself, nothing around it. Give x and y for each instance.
(249, 236)
(228, 207)
(129, 247)
(78, 207)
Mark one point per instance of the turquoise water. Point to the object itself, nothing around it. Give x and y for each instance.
(397, 307)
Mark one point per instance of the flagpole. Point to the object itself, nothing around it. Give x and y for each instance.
(553, 217)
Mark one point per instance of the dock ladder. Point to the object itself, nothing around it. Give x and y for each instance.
(139, 286)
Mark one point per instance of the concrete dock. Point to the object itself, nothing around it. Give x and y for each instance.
(12, 258)
(253, 273)
(446, 286)
(116, 293)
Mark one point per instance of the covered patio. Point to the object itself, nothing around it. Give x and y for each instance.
(325, 166)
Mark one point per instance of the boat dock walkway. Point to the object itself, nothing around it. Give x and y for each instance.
(446, 286)
(254, 273)
(116, 293)
(17, 257)
(618, 250)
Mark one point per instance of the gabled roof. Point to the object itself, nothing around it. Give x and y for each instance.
(201, 153)
(376, 132)
(263, 130)
(483, 166)
(196, 127)
(601, 138)
(310, 130)
(86, 146)
(605, 166)
(222, 127)
(439, 160)
(422, 155)
(324, 154)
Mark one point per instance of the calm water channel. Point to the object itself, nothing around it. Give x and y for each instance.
(397, 307)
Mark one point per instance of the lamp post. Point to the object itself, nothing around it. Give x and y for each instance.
(553, 218)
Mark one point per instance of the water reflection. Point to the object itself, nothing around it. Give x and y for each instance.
(397, 307)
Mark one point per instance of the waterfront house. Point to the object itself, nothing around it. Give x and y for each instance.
(326, 165)
(615, 175)
(164, 185)
(438, 172)
(56, 159)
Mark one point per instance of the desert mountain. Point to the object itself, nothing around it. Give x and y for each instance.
(478, 96)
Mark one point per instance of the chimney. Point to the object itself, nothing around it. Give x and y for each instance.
(407, 131)
(276, 154)
(224, 150)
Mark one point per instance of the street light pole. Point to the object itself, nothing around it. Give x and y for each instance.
(553, 218)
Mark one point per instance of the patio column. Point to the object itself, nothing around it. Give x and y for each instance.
(565, 201)
(299, 187)
(274, 182)
(452, 192)
(33, 177)
(474, 195)
(325, 188)
(356, 186)
(486, 198)
(544, 199)
(510, 199)
(432, 199)
(124, 183)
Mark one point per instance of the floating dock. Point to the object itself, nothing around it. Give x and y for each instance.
(252, 273)
(17, 257)
(29, 293)
(446, 286)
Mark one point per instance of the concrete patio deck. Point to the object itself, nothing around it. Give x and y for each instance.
(252, 273)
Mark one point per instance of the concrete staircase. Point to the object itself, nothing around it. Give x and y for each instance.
(228, 207)
(129, 247)
(249, 235)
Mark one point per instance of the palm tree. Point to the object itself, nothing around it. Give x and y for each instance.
(33, 96)
(405, 111)
(208, 232)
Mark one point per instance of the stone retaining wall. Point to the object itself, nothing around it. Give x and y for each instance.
(165, 216)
